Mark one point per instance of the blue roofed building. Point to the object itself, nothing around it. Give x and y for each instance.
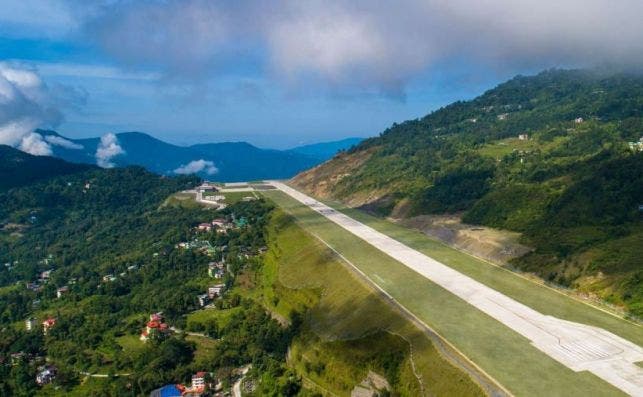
(166, 391)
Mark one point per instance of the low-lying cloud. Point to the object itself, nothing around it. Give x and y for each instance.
(196, 166)
(367, 43)
(62, 142)
(25, 104)
(107, 149)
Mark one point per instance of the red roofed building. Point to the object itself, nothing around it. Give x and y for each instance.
(155, 328)
(48, 324)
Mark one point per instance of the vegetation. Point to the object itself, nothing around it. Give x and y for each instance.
(18, 168)
(548, 156)
(110, 237)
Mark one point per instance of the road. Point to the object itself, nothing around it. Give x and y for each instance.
(577, 346)
(84, 373)
(236, 388)
(180, 331)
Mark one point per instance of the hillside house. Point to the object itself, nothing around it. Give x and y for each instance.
(203, 299)
(155, 328)
(523, 137)
(503, 116)
(219, 222)
(30, 324)
(216, 269)
(204, 227)
(578, 120)
(46, 374)
(636, 146)
(48, 324)
(198, 386)
(62, 291)
(44, 276)
(216, 290)
(108, 278)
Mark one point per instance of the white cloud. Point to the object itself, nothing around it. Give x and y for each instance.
(197, 166)
(93, 71)
(62, 142)
(381, 44)
(33, 143)
(367, 43)
(108, 148)
(25, 104)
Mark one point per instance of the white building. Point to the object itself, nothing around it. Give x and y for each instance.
(30, 323)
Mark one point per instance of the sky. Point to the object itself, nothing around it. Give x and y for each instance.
(280, 73)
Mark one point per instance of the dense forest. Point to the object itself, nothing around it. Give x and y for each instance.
(18, 168)
(556, 156)
(108, 242)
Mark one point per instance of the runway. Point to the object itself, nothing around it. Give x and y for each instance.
(577, 346)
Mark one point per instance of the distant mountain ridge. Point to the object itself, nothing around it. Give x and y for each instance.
(234, 161)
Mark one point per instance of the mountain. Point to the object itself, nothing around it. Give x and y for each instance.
(235, 161)
(556, 156)
(239, 161)
(326, 150)
(18, 168)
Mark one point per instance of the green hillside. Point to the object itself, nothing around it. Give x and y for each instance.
(18, 168)
(547, 155)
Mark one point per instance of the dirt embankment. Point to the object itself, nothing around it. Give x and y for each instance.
(323, 181)
(496, 246)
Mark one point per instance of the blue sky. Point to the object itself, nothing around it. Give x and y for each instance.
(284, 73)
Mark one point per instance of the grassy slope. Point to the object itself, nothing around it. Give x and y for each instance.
(504, 354)
(348, 329)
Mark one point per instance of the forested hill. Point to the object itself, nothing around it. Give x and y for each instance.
(18, 168)
(556, 156)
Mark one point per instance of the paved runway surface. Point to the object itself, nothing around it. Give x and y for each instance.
(577, 346)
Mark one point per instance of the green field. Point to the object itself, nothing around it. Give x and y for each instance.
(348, 329)
(222, 317)
(504, 354)
(233, 197)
